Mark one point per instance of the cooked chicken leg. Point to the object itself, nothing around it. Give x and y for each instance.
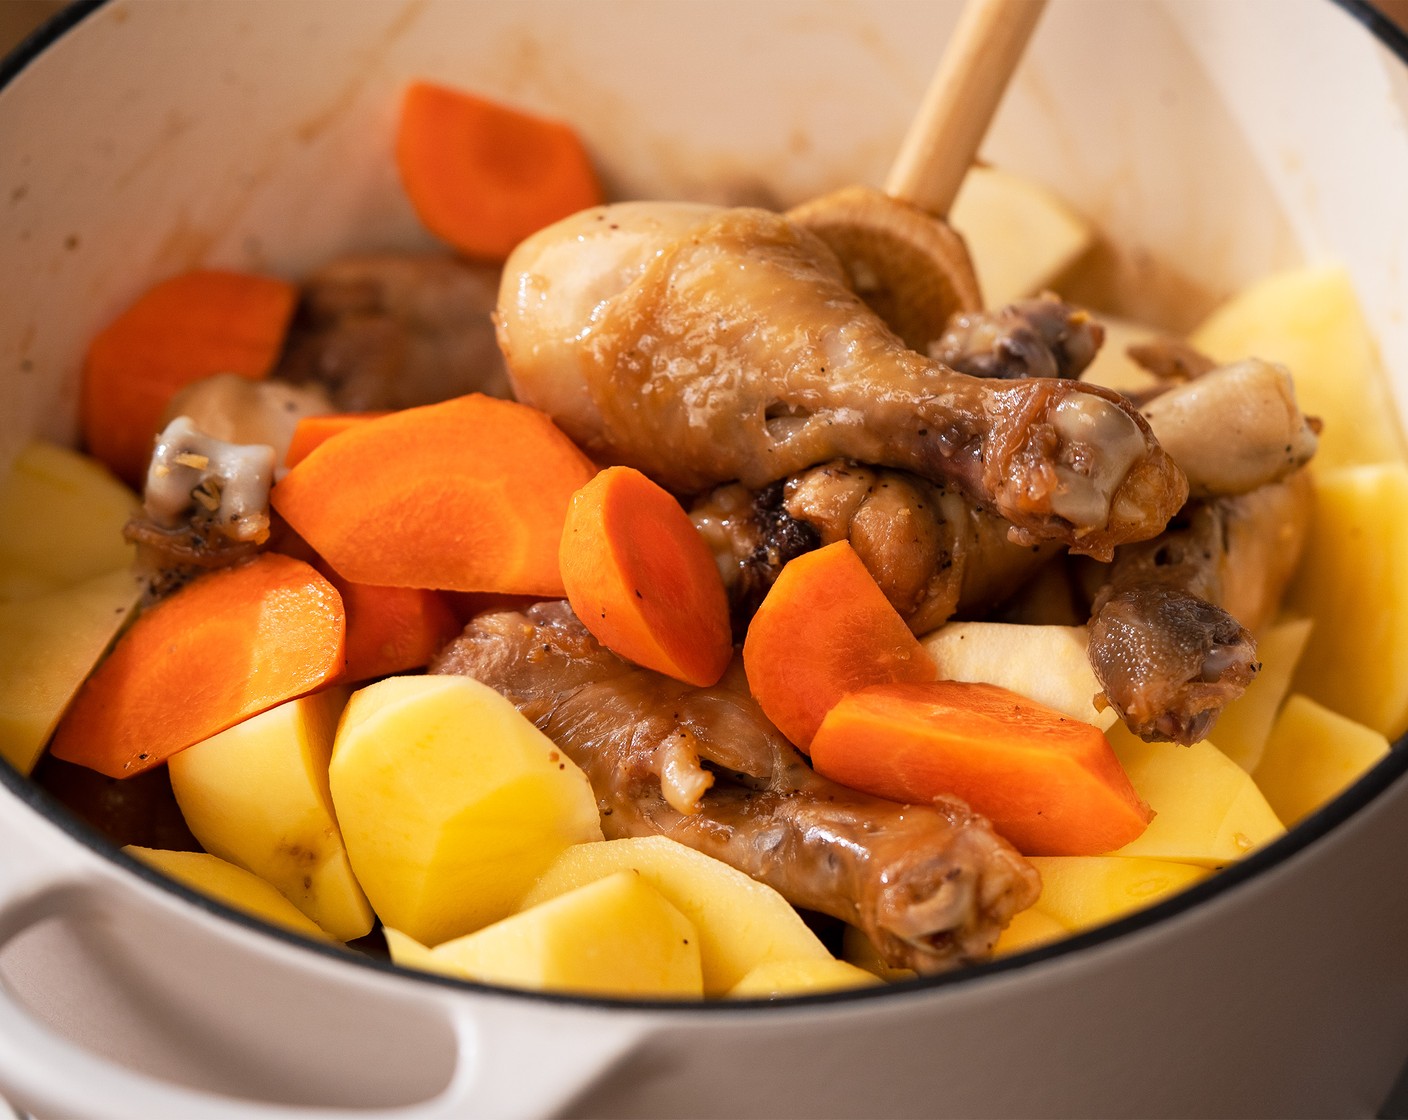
(1171, 633)
(930, 550)
(931, 886)
(705, 346)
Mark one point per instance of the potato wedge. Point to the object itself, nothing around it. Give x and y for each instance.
(451, 803)
(742, 923)
(616, 936)
(257, 795)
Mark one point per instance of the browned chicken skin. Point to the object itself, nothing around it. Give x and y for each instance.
(931, 886)
(932, 552)
(1042, 337)
(396, 330)
(705, 346)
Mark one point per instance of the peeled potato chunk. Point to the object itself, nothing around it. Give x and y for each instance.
(48, 644)
(616, 936)
(63, 514)
(257, 795)
(1313, 754)
(1020, 234)
(224, 882)
(1080, 892)
(1048, 664)
(1242, 728)
(775, 979)
(742, 923)
(1354, 580)
(451, 803)
(1030, 929)
(1207, 809)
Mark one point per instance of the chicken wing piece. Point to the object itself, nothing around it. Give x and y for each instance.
(705, 346)
(931, 886)
(1171, 633)
(930, 550)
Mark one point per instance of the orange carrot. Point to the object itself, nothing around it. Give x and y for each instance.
(392, 629)
(466, 495)
(825, 629)
(310, 431)
(483, 176)
(185, 328)
(225, 647)
(1049, 783)
(642, 580)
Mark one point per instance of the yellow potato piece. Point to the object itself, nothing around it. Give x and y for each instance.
(1207, 809)
(48, 644)
(616, 936)
(1312, 755)
(1048, 664)
(407, 952)
(775, 979)
(1309, 320)
(70, 510)
(1353, 580)
(451, 803)
(257, 795)
(224, 882)
(741, 922)
(1242, 728)
(1081, 892)
(1030, 929)
(1020, 234)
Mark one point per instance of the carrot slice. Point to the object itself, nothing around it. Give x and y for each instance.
(392, 629)
(185, 328)
(642, 580)
(825, 629)
(1049, 783)
(484, 176)
(225, 647)
(311, 431)
(466, 495)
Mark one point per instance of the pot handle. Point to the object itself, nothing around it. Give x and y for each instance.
(44, 1071)
(512, 1057)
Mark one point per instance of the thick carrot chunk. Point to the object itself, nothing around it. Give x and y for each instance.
(183, 329)
(225, 647)
(484, 176)
(312, 431)
(466, 495)
(1049, 783)
(642, 580)
(825, 629)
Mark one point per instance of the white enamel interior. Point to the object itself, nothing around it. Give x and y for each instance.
(1210, 141)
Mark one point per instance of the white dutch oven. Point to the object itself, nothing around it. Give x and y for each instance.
(1219, 139)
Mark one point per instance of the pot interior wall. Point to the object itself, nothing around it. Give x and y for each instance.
(1201, 138)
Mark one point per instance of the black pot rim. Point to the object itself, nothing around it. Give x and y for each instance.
(1330, 817)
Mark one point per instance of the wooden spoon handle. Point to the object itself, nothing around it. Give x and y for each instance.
(961, 99)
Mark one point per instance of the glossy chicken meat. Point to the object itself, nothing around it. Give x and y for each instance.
(1171, 633)
(396, 330)
(931, 886)
(707, 346)
(932, 552)
(1043, 337)
(1233, 428)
